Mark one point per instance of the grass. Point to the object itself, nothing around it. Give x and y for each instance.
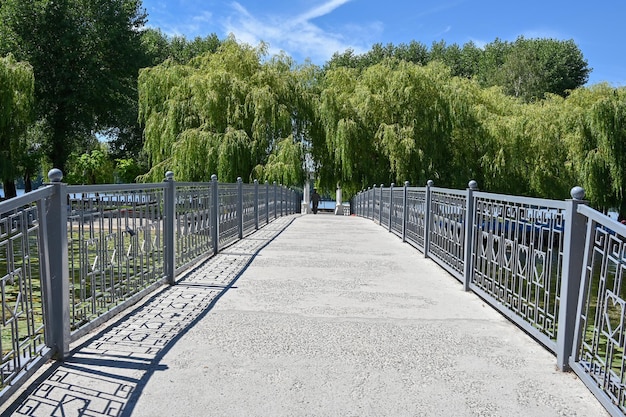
(103, 273)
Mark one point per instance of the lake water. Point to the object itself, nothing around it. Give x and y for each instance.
(19, 192)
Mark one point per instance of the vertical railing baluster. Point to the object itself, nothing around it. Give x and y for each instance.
(169, 230)
(282, 200)
(275, 200)
(573, 260)
(405, 209)
(468, 245)
(56, 264)
(240, 207)
(390, 205)
(380, 206)
(427, 216)
(215, 213)
(267, 202)
(256, 204)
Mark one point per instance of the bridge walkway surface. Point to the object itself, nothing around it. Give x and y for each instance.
(315, 315)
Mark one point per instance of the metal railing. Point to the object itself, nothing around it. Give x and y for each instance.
(554, 268)
(72, 257)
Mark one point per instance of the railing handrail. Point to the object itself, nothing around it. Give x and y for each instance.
(550, 261)
(25, 199)
(120, 249)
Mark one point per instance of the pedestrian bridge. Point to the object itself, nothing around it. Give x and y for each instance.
(288, 314)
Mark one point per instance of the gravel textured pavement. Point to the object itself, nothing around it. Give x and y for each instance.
(314, 315)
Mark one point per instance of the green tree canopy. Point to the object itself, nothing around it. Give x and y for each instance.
(526, 68)
(531, 68)
(227, 113)
(84, 55)
(16, 111)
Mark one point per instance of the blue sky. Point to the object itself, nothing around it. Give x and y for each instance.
(315, 29)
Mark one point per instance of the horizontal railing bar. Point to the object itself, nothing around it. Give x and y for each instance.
(26, 199)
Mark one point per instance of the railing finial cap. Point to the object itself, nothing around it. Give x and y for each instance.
(213, 177)
(473, 185)
(256, 181)
(406, 183)
(239, 179)
(578, 193)
(430, 183)
(169, 176)
(55, 175)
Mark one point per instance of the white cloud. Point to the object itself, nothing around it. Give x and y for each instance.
(297, 35)
(321, 10)
(480, 43)
(203, 17)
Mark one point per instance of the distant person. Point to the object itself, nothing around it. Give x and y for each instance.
(315, 198)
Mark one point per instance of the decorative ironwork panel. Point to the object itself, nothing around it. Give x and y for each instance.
(384, 207)
(518, 257)
(115, 244)
(249, 220)
(193, 223)
(263, 205)
(416, 216)
(376, 204)
(22, 339)
(229, 229)
(397, 210)
(603, 314)
(271, 202)
(447, 230)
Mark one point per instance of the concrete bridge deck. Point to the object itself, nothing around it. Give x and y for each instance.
(311, 316)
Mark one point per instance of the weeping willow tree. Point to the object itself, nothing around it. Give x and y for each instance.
(17, 86)
(236, 113)
(597, 143)
(230, 112)
(397, 121)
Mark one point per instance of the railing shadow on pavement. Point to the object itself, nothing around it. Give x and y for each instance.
(554, 268)
(74, 257)
(106, 374)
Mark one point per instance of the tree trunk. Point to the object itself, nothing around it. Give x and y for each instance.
(28, 183)
(9, 188)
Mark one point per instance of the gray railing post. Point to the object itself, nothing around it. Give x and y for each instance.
(364, 198)
(275, 200)
(573, 258)
(405, 209)
(56, 287)
(372, 202)
(240, 207)
(267, 202)
(215, 215)
(169, 230)
(468, 245)
(282, 199)
(429, 185)
(391, 204)
(256, 204)
(380, 206)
